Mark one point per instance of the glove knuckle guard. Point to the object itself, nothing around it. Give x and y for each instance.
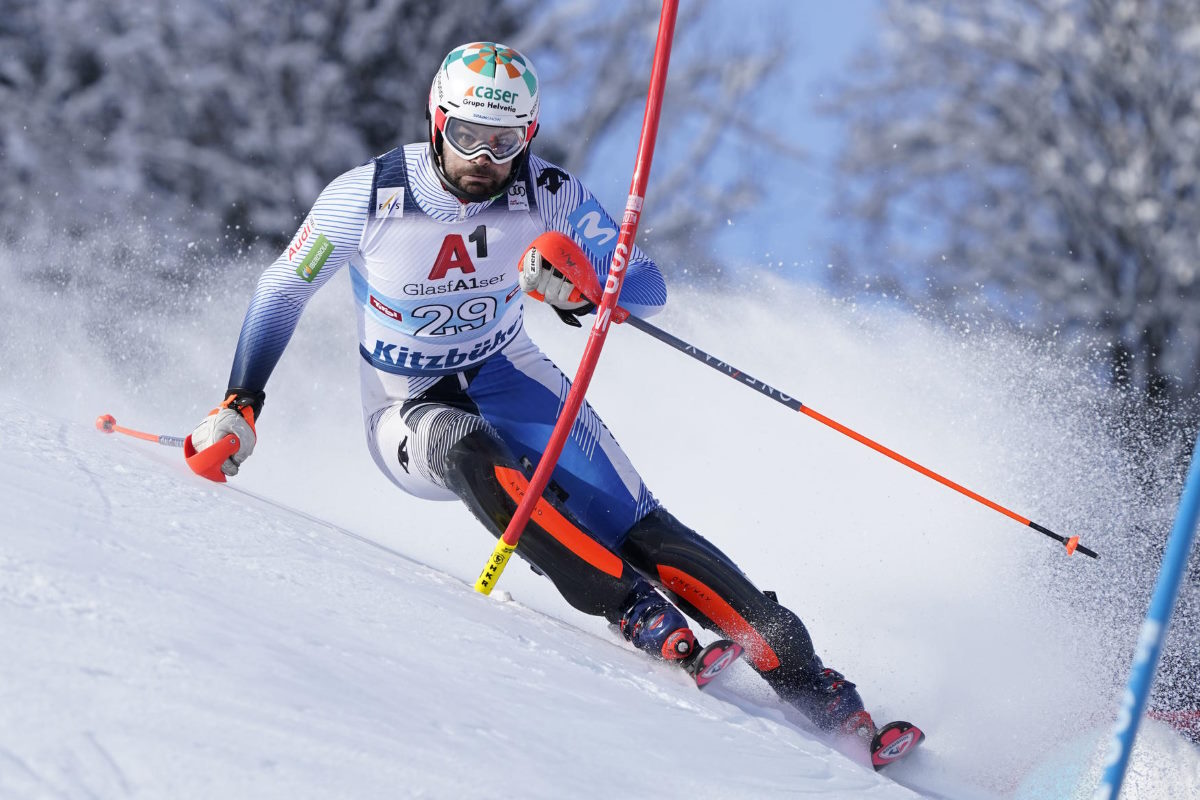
(543, 281)
(220, 423)
(531, 270)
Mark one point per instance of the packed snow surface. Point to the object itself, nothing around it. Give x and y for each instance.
(309, 631)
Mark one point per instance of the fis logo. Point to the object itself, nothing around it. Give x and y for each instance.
(711, 670)
(389, 202)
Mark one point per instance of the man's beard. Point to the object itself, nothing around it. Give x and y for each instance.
(480, 181)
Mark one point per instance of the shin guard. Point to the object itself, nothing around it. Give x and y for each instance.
(488, 479)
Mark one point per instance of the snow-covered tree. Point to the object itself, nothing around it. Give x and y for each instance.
(217, 118)
(1039, 156)
(218, 122)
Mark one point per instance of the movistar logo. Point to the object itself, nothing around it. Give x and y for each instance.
(595, 227)
(488, 93)
(592, 226)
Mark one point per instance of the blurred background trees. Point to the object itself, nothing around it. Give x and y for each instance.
(1024, 163)
(1029, 163)
(1033, 164)
(220, 121)
(1035, 161)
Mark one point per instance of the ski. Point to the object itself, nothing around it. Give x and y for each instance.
(706, 664)
(893, 742)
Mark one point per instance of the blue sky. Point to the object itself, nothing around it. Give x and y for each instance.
(827, 35)
(791, 227)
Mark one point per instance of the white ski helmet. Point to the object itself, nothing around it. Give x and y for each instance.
(484, 99)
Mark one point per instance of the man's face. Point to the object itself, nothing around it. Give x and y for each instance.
(479, 176)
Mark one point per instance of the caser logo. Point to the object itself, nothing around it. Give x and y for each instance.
(488, 93)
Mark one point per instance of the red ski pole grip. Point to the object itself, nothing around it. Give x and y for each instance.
(207, 462)
(569, 259)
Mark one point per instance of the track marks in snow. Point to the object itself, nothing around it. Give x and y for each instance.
(183, 640)
(77, 767)
(18, 779)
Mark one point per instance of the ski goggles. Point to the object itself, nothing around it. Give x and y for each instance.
(469, 139)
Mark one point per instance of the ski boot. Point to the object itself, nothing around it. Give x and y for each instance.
(834, 703)
(886, 745)
(655, 626)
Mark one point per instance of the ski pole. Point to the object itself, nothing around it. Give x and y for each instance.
(206, 463)
(1072, 543)
(604, 314)
(106, 424)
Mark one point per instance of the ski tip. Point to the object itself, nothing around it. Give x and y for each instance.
(714, 659)
(893, 742)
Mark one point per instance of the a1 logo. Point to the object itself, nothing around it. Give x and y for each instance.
(454, 255)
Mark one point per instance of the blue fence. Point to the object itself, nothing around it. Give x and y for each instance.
(1154, 630)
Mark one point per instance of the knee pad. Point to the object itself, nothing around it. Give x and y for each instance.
(481, 470)
(411, 443)
(710, 588)
(469, 469)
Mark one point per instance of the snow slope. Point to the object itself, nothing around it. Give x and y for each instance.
(310, 632)
(174, 639)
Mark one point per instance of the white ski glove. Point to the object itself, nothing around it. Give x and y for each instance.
(231, 417)
(541, 281)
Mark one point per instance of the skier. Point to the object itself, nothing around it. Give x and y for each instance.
(459, 403)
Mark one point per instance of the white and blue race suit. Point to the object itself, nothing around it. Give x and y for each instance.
(438, 299)
(447, 370)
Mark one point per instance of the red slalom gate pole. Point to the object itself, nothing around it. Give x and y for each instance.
(604, 313)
